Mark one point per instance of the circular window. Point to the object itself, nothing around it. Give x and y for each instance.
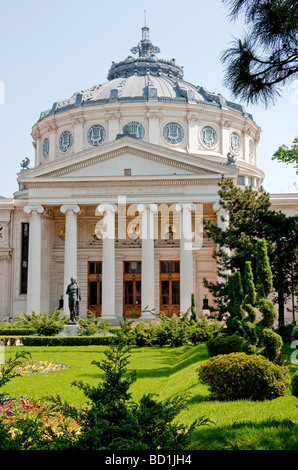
(173, 133)
(65, 141)
(208, 137)
(96, 135)
(134, 128)
(46, 148)
(235, 143)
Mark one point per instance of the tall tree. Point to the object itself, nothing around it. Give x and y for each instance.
(266, 58)
(251, 219)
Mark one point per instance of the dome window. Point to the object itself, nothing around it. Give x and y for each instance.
(235, 143)
(173, 133)
(208, 137)
(134, 128)
(96, 135)
(46, 148)
(65, 141)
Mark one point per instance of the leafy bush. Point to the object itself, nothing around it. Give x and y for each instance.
(294, 335)
(92, 325)
(224, 344)
(294, 385)
(43, 324)
(174, 331)
(238, 376)
(285, 331)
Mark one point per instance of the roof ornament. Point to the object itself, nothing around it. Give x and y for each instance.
(145, 48)
(25, 164)
(231, 159)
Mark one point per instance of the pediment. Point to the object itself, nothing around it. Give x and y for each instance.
(118, 159)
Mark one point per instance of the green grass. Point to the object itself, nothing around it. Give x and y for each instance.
(167, 372)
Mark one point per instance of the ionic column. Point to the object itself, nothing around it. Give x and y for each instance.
(34, 259)
(223, 223)
(108, 309)
(186, 260)
(147, 211)
(70, 248)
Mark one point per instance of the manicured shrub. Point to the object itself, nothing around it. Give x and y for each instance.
(269, 313)
(16, 331)
(224, 344)
(294, 335)
(248, 285)
(285, 331)
(238, 376)
(66, 340)
(294, 385)
(264, 281)
(272, 343)
(43, 324)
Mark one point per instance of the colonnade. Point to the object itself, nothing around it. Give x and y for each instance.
(109, 211)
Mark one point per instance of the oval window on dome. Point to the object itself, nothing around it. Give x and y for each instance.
(235, 143)
(208, 137)
(96, 135)
(46, 148)
(173, 133)
(65, 141)
(251, 151)
(134, 128)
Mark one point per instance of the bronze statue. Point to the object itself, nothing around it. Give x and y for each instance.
(74, 297)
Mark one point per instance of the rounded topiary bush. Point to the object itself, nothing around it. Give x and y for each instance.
(239, 376)
(294, 385)
(224, 344)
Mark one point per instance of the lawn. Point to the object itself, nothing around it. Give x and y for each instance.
(167, 372)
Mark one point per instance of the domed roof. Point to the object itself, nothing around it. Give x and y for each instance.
(143, 78)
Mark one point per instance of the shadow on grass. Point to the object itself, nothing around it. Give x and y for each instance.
(195, 355)
(266, 435)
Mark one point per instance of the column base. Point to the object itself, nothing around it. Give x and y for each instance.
(109, 317)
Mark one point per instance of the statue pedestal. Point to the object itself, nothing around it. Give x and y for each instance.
(71, 329)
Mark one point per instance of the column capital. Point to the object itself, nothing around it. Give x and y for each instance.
(143, 207)
(71, 207)
(106, 208)
(185, 206)
(31, 209)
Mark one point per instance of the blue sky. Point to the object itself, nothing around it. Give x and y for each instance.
(51, 49)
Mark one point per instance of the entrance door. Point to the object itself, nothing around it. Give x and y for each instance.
(170, 287)
(132, 289)
(94, 287)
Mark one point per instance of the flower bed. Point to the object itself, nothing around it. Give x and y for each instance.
(29, 424)
(38, 367)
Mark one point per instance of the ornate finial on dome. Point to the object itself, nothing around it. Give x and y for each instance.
(145, 48)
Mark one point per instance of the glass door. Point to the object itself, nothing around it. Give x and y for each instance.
(170, 287)
(132, 287)
(94, 288)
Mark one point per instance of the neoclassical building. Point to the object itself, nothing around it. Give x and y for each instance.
(123, 174)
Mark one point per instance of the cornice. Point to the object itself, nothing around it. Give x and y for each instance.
(77, 183)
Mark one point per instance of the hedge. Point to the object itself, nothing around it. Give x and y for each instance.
(16, 331)
(58, 340)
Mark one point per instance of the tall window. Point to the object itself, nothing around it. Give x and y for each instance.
(24, 258)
